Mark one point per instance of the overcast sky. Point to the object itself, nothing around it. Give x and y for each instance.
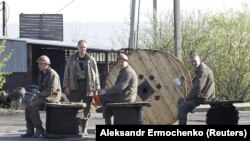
(78, 13)
(105, 10)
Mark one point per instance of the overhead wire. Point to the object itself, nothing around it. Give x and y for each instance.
(65, 6)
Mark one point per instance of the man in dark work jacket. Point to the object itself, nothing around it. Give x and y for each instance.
(203, 88)
(124, 89)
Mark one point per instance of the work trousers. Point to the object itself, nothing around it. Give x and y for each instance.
(80, 95)
(107, 111)
(185, 107)
(32, 115)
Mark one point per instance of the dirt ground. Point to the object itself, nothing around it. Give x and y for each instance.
(12, 124)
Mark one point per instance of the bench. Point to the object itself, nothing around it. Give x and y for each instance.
(128, 113)
(64, 119)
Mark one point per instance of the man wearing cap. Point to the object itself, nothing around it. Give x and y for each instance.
(124, 89)
(81, 80)
(203, 88)
(50, 91)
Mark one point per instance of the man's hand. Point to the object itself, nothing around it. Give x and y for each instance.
(35, 96)
(102, 91)
(66, 91)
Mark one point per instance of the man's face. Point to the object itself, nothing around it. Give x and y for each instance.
(82, 48)
(195, 62)
(42, 66)
(122, 63)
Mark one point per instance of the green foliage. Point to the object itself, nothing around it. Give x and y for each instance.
(158, 35)
(231, 56)
(221, 39)
(3, 60)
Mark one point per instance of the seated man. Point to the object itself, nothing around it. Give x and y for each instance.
(124, 90)
(203, 88)
(50, 91)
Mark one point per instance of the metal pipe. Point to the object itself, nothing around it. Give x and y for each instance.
(132, 24)
(177, 29)
(155, 24)
(138, 23)
(4, 19)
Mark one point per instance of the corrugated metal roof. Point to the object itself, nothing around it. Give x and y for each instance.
(60, 44)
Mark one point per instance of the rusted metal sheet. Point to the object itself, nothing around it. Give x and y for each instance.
(163, 80)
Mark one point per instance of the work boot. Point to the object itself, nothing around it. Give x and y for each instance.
(99, 110)
(30, 130)
(27, 135)
(84, 127)
(39, 132)
(181, 122)
(108, 121)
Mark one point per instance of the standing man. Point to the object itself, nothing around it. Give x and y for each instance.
(203, 88)
(124, 90)
(50, 91)
(81, 79)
